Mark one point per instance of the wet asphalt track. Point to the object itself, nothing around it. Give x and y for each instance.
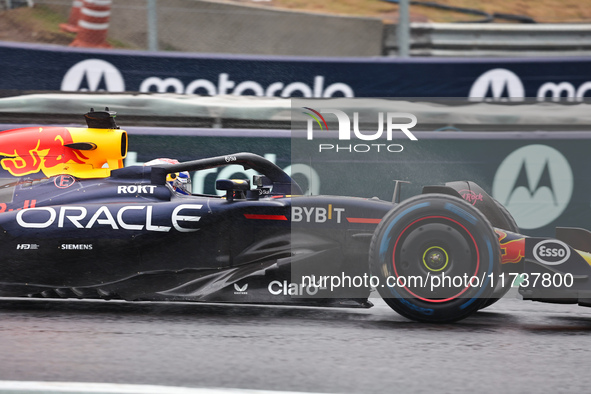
(515, 346)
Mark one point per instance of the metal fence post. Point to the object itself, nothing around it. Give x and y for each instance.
(152, 25)
(403, 32)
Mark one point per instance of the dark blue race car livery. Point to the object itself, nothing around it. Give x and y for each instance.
(75, 223)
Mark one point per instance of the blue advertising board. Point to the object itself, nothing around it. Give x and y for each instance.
(54, 68)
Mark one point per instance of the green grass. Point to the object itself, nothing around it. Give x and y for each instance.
(47, 19)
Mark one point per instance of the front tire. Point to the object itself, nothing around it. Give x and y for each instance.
(424, 241)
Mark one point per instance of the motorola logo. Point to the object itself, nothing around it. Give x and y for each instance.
(535, 183)
(497, 84)
(93, 75)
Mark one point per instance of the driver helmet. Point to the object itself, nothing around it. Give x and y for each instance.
(179, 182)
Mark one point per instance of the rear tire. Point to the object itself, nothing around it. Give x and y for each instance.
(428, 238)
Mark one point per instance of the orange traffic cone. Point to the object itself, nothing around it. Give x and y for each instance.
(72, 25)
(93, 24)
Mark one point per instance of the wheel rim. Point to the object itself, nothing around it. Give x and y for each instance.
(441, 251)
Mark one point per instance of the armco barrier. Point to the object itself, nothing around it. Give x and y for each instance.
(178, 110)
(494, 39)
(35, 67)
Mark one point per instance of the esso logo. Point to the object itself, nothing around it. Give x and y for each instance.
(551, 252)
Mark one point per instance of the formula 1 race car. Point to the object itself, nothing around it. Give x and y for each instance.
(75, 223)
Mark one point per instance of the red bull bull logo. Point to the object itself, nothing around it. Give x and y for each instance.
(35, 149)
(512, 247)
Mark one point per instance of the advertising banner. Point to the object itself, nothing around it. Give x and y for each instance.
(53, 68)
